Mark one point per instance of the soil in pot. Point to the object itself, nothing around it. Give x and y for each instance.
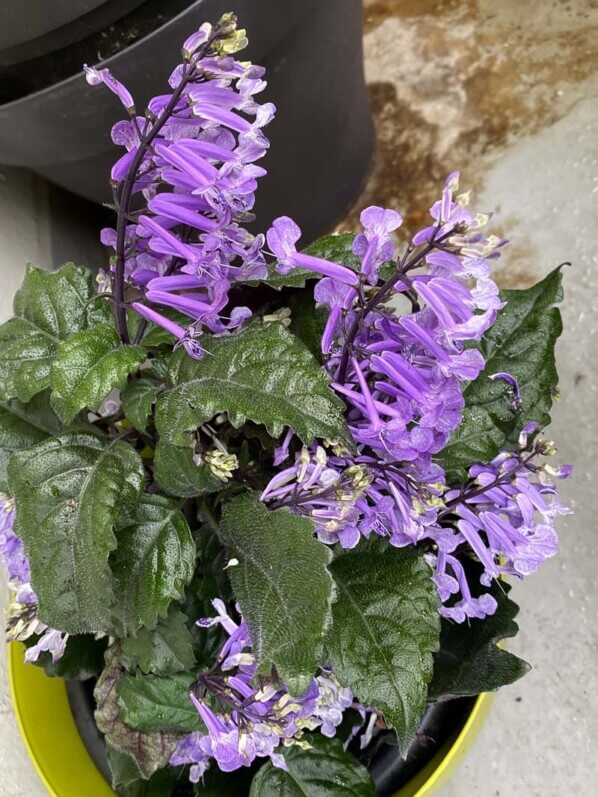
(441, 722)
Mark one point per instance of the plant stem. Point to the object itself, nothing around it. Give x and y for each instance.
(126, 191)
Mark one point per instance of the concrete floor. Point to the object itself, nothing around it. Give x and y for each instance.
(508, 93)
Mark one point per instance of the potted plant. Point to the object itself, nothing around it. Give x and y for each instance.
(269, 498)
(321, 139)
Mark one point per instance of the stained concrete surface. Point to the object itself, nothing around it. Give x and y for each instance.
(508, 93)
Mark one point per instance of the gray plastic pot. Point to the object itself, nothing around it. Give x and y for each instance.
(32, 28)
(322, 138)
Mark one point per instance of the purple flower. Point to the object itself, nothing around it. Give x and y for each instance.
(282, 238)
(197, 180)
(22, 620)
(96, 76)
(255, 721)
(375, 246)
(401, 377)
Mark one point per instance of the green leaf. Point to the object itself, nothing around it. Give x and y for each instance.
(477, 439)
(154, 561)
(264, 374)
(177, 474)
(162, 783)
(469, 660)
(123, 768)
(324, 770)
(385, 628)
(336, 248)
(522, 343)
(24, 425)
(89, 365)
(149, 751)
(282, 585)
(48, 307)
(152, 703)
(138, 398)
(83, 658)
(68, 491)
(163, 651)
(308, 321)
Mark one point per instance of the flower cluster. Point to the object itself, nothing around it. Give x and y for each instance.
(22, 620)
(254, 722)
(505, 515)
(401, 373)
(192, 159)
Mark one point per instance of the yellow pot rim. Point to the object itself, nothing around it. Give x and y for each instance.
(66, 769)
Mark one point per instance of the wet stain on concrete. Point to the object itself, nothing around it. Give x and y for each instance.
(453, 83)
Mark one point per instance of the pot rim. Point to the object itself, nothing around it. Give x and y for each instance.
(35, 696)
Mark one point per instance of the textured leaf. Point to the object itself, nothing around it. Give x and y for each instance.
(68, 491)
(24, 425)
(163, 783)
(469, 660)
(165, 650)
(282, 585)
(325, 770)
(521, 343)
(154, 561)
(264, 374)
(385, 628)
(89, 365)
(150, 751)
(138, 398)
(308, 321)
(477, 439)
(123, 768)
(177, 474)
(49, 306)
(152, 703)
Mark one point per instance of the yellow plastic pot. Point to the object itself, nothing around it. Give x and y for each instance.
(66, 769)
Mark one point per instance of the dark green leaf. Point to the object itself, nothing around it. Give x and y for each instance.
(125, 771)
(68, 491)
(282, 585)
(469, 660)
(325, 770)
(264, 374)
(177, 474)
(308, 321)
(83, 658)
(150, 751)
(385, 628)
(154, 561)
(163, 651)
(152, 703)
(24, 425)
(521, 343)
(49, 306)
(138, 398)
(477, 439)
(162, 783)
(89, 365)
